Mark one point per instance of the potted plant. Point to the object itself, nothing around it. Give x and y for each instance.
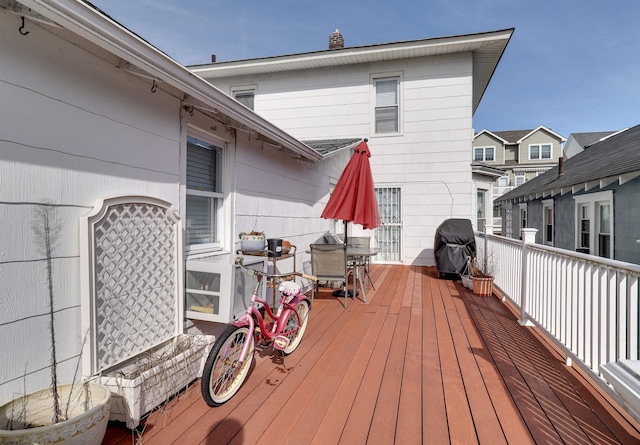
(75, 413)
(482, 276)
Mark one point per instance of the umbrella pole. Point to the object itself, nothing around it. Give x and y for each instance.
(346, 287)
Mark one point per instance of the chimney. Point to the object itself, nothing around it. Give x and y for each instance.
(213, 58)
(335, 40)
(560, 164)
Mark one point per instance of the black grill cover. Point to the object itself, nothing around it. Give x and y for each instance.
(454, 242)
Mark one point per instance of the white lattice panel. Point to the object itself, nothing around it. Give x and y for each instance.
(133, 279)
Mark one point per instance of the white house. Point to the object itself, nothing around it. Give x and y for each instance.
(413, 100)
(91, 112)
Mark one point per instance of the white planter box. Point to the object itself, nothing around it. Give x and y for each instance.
(132, 398)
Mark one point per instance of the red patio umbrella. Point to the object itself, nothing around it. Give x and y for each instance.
(354, 198)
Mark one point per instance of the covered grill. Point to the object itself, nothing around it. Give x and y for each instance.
(454, 242)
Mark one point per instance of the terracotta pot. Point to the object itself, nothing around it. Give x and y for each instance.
(482, 286)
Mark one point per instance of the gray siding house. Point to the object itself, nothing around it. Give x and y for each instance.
(588, 203)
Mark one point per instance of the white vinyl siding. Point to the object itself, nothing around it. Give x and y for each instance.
(387, 105)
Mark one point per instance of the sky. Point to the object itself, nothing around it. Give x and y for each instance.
(571, 65)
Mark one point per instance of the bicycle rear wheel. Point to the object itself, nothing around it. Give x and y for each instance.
(223, 374)
(295, 326)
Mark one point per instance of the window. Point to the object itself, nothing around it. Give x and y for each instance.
(503, 181)
(584, 228)
(387, 108)
(523, 218)
(604, 230)
(484, 154)
(594, 223)
(540, 151)
(548, 222)
(508, 221)
(246, 96)
(481, 210)
(519, 179)
(204, 195)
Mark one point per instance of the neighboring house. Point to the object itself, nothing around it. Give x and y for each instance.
(91, 111)
(413, 100)
(577, 142)
(589, 202)
(522, 154)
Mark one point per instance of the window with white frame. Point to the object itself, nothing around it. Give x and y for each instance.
(540, 151)
(204, 195)
(523, 218)
(503, 181)
(484, 154)
(387, 105)
(481, 211)
(594, 223)
(245, 95)
(508, 220)
(519, 178)
(547, 223)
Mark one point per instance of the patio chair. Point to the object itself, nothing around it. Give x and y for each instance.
(329, 263)
(362, 241)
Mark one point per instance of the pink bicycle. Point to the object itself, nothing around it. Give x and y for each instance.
(230, 358)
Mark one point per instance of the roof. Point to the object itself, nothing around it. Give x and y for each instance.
(487, 49)
(616, 158)
(327, 147)
(86, 22)
(486, 169)
(586, 139)
(517, 136)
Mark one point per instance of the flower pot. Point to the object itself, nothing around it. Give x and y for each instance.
(88, 416)
(135, 394)
(482, 286)
(252, 242)
(466, 282)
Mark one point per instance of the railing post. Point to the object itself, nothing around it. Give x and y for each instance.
(528, 237)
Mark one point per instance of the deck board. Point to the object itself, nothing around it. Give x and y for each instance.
(424, 361)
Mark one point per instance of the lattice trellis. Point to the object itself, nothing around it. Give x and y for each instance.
(133, 279)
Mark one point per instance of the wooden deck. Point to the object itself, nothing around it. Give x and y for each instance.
(423, 362)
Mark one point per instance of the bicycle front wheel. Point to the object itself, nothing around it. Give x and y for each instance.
(223, 372)
(295, 326)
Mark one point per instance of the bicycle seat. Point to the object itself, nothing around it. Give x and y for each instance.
(289, 288)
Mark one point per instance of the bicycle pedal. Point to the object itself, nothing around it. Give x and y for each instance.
(280, 342)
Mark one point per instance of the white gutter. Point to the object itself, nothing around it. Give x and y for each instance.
(103, 32)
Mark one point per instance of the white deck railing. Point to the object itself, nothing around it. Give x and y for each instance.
(588, 305)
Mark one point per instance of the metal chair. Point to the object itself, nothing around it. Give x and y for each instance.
(362, 241)
(329, 263)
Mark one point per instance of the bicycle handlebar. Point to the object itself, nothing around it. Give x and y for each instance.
(239, 262)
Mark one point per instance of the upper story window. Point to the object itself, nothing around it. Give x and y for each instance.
(594, 223)
(503, 181)
(387, 105)
(245, 95)
(519, 178)
(540, 151)
(484, 154)
(204, 195)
